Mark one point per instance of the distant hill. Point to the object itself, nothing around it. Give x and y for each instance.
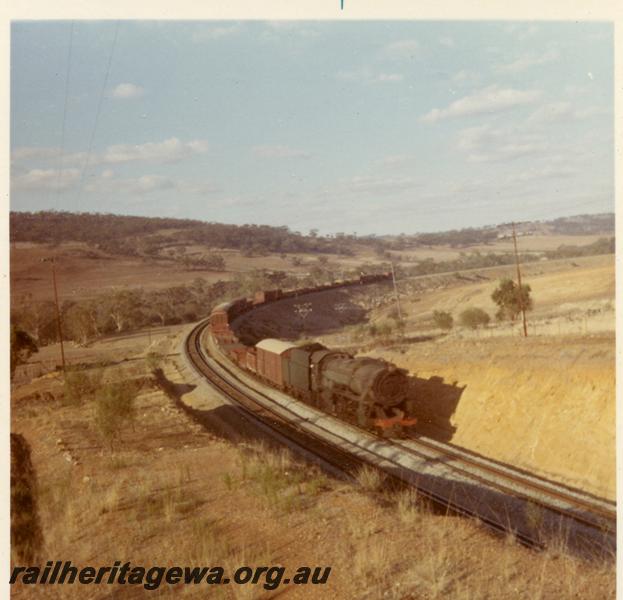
(599, 224)
(583, 224)
(129, 235)
(147, 236)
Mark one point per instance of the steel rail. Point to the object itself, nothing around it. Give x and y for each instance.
(328, 452)
(594, 506)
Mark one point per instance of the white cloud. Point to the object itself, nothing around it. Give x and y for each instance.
(528, 61)
(389, 77)
(465, 76)
(368, 77)
(45, 179)
(127, 90)
(527, 32)
(563, 111)
(489, 144)
(396, 160)
(152, 183)
(46, 154)
(491, 99)
(551, 112)
(279, 151)
(107, 183)
(446, 41)
(522, 32)
(592, 111)
(171, 150)
(367, 184)
(572, 89)
(547, 172)
(299, 29)
(30, 152)
(208, 33)
(167, 151)
(401, 49)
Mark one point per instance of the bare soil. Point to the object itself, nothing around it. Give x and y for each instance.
(180, 491)
(83, 272)
(532, 402)
(545, 403)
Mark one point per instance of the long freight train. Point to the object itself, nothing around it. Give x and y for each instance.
(369, 392)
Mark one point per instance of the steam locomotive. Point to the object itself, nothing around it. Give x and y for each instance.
(368, 392)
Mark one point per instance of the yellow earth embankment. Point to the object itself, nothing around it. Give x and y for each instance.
(544, 404)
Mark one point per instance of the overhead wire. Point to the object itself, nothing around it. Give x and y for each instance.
(87, 160)
(62, 148)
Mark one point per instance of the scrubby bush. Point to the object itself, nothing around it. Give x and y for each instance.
(474, 318)
(443, 319)
(154, 360)
(114, 409)
(79, 386)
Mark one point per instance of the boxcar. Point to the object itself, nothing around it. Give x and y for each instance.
(219, 317)
(270, 359)
(266, 296)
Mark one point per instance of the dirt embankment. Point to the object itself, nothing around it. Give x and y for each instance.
(545, 404)
(178, 490)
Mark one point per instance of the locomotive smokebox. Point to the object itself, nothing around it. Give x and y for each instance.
(390, 387)
(368, 379)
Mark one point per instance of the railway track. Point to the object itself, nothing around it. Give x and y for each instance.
(505, 499)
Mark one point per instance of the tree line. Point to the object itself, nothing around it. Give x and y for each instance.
(137, 236)
(126, 309)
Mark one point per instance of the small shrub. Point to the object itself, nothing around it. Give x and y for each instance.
(443, 319)
(474, 318)
(114, 409)
(154, 360)
(228, 481)
(80, 386)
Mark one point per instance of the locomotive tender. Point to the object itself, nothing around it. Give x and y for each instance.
(368, 392)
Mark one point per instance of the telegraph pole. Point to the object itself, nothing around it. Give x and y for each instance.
(302, 310)
(58, 310)
(396, 291)
(519, 298)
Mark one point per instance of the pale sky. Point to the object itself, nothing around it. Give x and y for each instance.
(368, 127)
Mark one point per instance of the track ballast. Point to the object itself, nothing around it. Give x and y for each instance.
(507, 500)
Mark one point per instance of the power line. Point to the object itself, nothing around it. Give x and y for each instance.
(60, 155)
(396, 291)
(97, 115)
(58, 310)
(519, 290)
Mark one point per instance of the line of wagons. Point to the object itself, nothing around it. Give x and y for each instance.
(368, 392)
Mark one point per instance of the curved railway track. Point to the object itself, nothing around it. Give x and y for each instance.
(593, 519)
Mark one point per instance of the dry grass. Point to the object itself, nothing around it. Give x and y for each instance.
(201, 501)
(407, 508)
(283, 484)
(370, 479)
